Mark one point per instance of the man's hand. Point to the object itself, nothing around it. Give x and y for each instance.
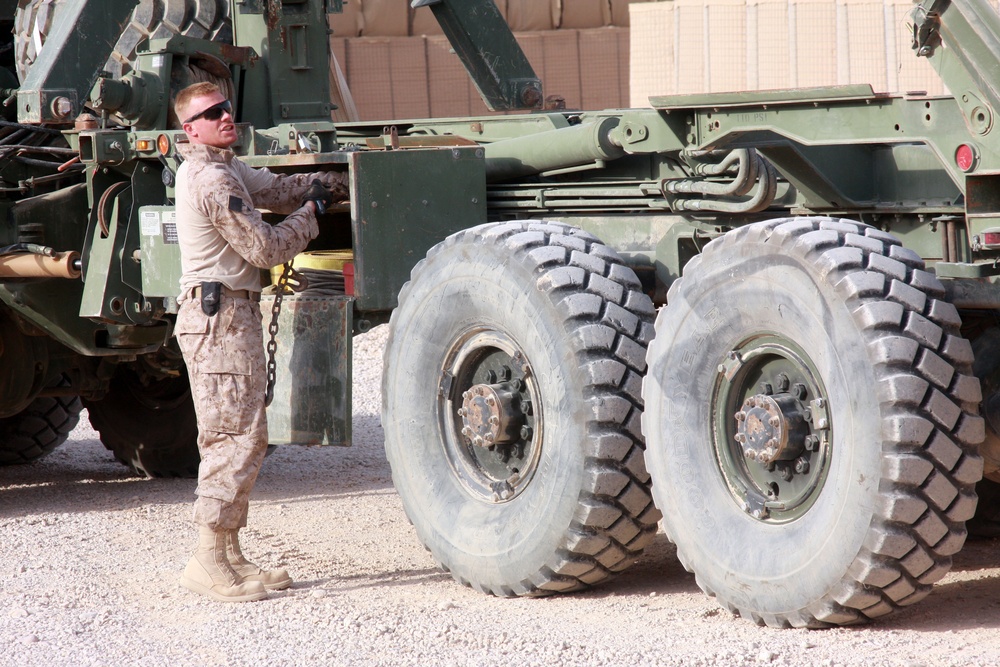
(319, 196)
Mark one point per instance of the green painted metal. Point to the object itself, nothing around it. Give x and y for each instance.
(53, 306)
(823, 94)
(312, 391)
(291, 81)
(578, 145)
(971, 31)
(142, 96)
(79, 45)
(482, 39)
(404, 202)
(160, 261)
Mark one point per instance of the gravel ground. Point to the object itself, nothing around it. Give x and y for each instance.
(91, 556)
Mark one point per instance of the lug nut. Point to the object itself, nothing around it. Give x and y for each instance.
(799, 390)
(526, 407)
(526, 433)
(782, 382)
(741, 438)
(494, 420)
(765, 388)
(801, 466)
(750, 454)
(774, 422)
(811, 443)
(740, 416)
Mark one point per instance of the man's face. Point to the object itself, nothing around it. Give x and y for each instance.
(219, 132)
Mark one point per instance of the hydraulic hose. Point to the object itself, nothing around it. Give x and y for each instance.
(751, 169)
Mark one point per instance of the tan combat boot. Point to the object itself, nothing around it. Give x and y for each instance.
(273, 580)
(209, 572)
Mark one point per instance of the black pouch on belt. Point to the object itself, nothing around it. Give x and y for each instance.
(211, 297)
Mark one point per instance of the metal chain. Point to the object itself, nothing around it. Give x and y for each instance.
(272, 330)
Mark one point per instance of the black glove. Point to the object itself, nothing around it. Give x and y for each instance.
(318, 195)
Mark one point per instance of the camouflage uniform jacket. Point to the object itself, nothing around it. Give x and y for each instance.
(221, 233)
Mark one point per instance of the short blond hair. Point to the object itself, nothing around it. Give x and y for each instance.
(183, 100)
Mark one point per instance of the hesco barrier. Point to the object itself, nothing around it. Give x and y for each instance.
(700, 46)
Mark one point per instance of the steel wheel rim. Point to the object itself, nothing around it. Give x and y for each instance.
(772, 428)
(481, 359)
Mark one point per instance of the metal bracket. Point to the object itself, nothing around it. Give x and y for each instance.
(820, 419)
(978, 113)
(731, 365)
(926, 32)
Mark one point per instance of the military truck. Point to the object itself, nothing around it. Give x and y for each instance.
(767, 318)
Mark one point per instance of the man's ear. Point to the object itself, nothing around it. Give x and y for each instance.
(189, 129)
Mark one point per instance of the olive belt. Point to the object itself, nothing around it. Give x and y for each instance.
(234, 293)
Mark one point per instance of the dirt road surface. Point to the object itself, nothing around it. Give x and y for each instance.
(90, 557)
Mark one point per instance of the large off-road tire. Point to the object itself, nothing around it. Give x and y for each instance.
(150, 427)
(153, 19)
(38, 429)
(554, 323)
(828, 343)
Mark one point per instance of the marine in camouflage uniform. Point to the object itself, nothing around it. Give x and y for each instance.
(223, 239)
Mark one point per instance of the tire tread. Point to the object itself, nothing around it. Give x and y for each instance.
(609, 322)
(928, 397)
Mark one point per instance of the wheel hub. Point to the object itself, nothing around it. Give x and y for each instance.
(770, 428)
(491, 415)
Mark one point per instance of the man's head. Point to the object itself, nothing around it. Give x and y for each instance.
(206, 115)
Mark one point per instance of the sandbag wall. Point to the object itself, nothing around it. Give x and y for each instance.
(399, 65)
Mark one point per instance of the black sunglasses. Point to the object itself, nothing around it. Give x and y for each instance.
(213, 112)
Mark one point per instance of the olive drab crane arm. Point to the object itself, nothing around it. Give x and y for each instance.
(486, 46)
(57, 85)
(969, 65)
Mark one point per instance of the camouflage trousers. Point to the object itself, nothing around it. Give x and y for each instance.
(224, 354)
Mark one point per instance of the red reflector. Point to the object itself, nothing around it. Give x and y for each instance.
(991, 238)
(349, 277)
(966, 157)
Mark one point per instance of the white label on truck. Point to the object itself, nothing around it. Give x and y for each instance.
(149, 223)
(170, 227)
